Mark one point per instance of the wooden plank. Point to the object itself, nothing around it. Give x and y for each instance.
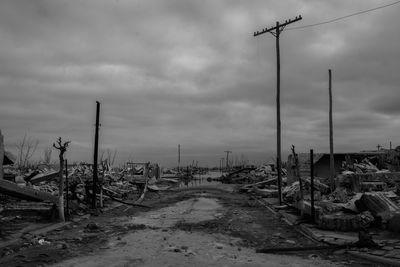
(12, 189)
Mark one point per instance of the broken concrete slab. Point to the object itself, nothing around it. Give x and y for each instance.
(378, 204)
(345, 222)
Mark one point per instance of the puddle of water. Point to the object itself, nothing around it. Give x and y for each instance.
(189, 211)
(200, 180)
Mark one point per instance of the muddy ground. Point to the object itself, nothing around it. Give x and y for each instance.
(195, 227)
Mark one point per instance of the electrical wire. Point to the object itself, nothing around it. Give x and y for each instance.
(344, 17)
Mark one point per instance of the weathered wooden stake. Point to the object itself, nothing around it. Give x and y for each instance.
(179, 156)
(66, 185)
(62, 148)
(95, 155)
(331, 157)
(1, 155)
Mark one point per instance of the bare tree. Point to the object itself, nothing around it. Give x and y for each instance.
(62, 147)
(25, 150)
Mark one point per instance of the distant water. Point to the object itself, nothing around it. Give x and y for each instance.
(199, 180)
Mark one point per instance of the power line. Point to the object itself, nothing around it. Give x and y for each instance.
(344, 17)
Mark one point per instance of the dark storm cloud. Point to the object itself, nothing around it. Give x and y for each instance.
(190, 72)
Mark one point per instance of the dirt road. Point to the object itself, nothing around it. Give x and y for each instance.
(196, 227)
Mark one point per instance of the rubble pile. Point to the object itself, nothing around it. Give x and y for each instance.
(366, 194)
(37, 189)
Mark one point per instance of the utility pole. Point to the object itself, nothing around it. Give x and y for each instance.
(179, 156)
(95, 155)
(227, 159)
(221, 163)
(312, 185)
(276, 31)
(331, 156)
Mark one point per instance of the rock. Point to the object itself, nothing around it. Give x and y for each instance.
(62, 246)
(313, 256)
(173, 249)
(92, 226)
(219, 246)
(387, 248)
(43, 242)
(365, 240)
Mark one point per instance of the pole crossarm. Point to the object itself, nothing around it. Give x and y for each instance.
(278, 27)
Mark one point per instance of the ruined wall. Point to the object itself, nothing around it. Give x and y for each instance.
(355, 181)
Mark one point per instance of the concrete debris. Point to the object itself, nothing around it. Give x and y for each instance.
(378, 204)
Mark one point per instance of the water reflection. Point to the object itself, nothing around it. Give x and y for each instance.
(200, 180)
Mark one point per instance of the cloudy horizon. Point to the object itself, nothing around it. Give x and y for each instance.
(191, 73)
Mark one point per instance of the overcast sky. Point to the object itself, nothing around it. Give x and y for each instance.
(190, 72)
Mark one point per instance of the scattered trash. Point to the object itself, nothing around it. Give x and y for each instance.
(43, 242)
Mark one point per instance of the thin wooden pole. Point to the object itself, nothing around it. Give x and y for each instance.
(278, 114)
(66, 185)
(1, 156)
(95, 155)
(331, 158)
(312, 185)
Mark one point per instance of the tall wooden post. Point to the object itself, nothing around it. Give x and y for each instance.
(278, 115)
(276, 31)
(95, 155)
(227, 159)
(312, 185)
(1, 155)
(66, 185)
(331, 157)
(179, 156)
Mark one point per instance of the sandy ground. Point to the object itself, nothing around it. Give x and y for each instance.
(188, 228)
(162, 246)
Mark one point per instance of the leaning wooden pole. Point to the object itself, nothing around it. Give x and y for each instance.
(95, 156)
(331, 158)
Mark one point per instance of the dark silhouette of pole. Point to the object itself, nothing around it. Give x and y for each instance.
(227, 159)
(331, 156)
(66, 185)
(312, 185)
(179, 156)
(276, 31)
(95, 156)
